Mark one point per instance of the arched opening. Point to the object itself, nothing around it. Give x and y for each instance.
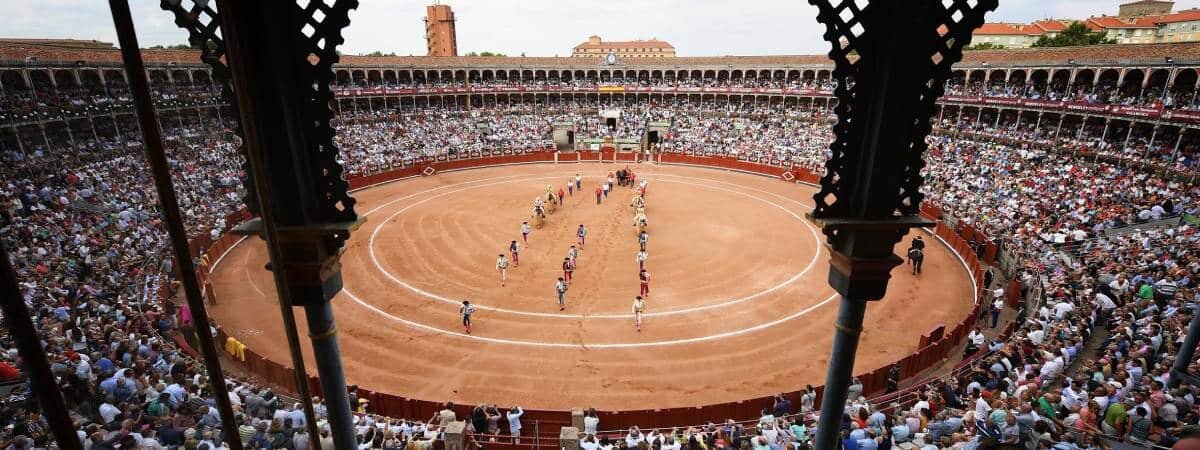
(1085, 80)
(114, 78)
(996, 80)
(1131, 86)
(180, 77)
(1038, 80)
(1183, 89)
(90, 80)
(201, 77)
(1156, 85)
(1107, 80)
(13, 81)
(1058, 82)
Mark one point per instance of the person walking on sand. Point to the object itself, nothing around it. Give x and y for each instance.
(568, 268)
(466, 312)
(573, 254)
(639, 307)
(502, 267)
(560, 290)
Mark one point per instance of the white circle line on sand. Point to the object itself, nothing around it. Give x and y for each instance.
(375, 260)
(616, 345)
(406, 197)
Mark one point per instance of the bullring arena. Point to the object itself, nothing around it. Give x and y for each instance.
(739, 291)
(1052, 171)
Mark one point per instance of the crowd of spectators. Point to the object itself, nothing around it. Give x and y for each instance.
(80, 218)
(1106, 92)
(821, 85)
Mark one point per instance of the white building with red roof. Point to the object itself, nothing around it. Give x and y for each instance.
(595, 47)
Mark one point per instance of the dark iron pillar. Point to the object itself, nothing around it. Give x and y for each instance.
(892, 58)
(281, 57)
(1179, 370)
(156, 155)
(202, 22)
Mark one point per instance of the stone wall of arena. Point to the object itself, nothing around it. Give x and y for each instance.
(936, 346)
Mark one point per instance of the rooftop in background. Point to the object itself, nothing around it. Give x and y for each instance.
(652, 48)
(68, 53)
(68, 43)
(1137, 22)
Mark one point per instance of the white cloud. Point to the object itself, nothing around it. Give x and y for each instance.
(534, 27)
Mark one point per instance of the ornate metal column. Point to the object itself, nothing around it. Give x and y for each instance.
(203, 25)
(281, 56)
(891, 61)
(156, 155)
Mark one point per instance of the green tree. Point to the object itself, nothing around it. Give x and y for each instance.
(1076, 34)
(172, 47)
(984, 46)
(484, 54)
(379, 53)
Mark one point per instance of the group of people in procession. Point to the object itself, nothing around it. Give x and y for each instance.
(623, 177)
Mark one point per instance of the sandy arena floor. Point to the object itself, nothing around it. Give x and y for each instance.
(739, 304)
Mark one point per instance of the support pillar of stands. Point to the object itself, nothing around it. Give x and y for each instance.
(19, 321)
(455, 435)
(568, 438)
(870, 194)
(1187, 352)
(139, 87)
(281, 78)
(1178, 142)
(577, 418)
(1153, 136)
(1128, 136)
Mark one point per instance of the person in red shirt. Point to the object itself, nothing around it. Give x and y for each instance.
(568, 268)
(8, 372)
(599, 194)
(644, 277)
(561, 195)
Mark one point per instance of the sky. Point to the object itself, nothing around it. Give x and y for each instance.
(534, 27)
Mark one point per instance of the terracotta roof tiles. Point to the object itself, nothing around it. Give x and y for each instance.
(46, 54)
